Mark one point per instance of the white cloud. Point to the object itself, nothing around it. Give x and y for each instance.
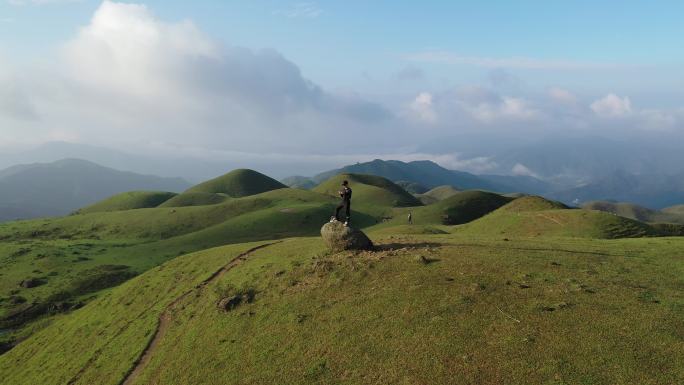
(127, 76)
(612, 106)
(15, 104)
(518, 108)
(309, 10)
(522, 170)
(422, 108)
(561, 95)
(488, 107)
(510, 62)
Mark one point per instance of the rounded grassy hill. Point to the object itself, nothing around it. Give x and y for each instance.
(438, 194)
(372, 193)
(129, 201)
(235, 184)
(461, 208)
(535, 216)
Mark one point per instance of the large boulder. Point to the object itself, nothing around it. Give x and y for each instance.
(339, 237)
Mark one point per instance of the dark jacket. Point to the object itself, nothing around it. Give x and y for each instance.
(346, 194)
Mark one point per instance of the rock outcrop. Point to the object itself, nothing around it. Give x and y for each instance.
(339, 237)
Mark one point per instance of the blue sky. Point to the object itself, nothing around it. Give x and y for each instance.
(243, 75)
(341, 43)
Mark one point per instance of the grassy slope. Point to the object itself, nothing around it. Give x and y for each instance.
(679, 209)
(371, 194)
(356, 318)
(60, 251)
(411, 187)
(235, 184)
(534, 216)
(195, 199)
(480, 312)
(238, 183)
(637, 212)
(129, 201)
(458, 209)
(441, 193)
(302, 182)
(138, 304)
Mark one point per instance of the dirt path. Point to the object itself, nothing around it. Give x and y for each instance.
(551, 219)
(166, 316)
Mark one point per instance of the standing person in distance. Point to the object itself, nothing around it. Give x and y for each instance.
(345, 194)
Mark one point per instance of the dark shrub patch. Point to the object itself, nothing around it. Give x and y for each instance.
(101, 277)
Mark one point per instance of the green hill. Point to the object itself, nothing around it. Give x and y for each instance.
(372, 194)
(483, 288)
(535, 216)
(532, 203)
(238, 183)
(636, 212)
(437, 194)
(412, 187)
(129, 201)
(461, 208)
(57, 252)
(195, 199)
(235, 184)
(301, 182)
(425, 309)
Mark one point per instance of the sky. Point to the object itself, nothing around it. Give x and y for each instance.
(345, 79)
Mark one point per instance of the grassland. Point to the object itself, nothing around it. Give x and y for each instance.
(672, 215)
(461, 208)
(235, 184)
(371, 194)
(437, 194)
(238, 183)
(544, 310)
(129, 201)
(105, 243)
(482, 289)
(62, 255)
(537, 217)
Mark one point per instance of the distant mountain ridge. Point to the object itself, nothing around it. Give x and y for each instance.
(431, 175)
(651, 190)
(655, 191)
(58, 188)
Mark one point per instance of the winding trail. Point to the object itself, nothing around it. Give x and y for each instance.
(551, 219)
(166, 317)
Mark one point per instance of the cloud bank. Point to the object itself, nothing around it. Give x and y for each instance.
(128, 74)
(130, 80)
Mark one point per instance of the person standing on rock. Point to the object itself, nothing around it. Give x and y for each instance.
(345, 194)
